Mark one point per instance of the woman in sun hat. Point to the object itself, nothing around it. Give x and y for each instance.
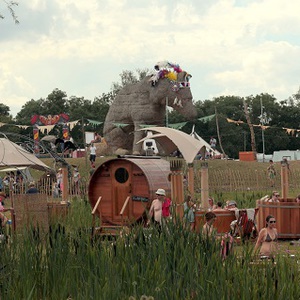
(155, 211)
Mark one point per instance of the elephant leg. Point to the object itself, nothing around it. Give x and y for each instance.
(117, 138)
(138, 135)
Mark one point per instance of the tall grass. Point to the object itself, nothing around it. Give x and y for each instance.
(67, 263)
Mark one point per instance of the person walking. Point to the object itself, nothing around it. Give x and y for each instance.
(92, 153)
(271, 173)
(76, 181)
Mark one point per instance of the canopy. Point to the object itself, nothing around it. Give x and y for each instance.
(170, 139)
(13, 155)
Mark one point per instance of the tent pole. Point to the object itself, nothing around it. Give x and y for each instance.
(218, 132)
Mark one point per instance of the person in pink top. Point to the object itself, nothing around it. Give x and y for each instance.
(166, 206)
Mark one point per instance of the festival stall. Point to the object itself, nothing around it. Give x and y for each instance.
(15, 156)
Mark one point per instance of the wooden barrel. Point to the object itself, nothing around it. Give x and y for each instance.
(57, 210)
(286, 214)
(133, 179)
(222, 222)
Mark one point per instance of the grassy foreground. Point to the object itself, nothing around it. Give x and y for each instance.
(67, 264)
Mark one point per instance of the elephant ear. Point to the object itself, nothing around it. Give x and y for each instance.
(184, 77)
(159, 92)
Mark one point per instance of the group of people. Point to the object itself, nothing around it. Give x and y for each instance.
(271, 171)
(160, 210)
(275, 198)
(3, 218)
(58, 186)
(266, 245)
(12, 180)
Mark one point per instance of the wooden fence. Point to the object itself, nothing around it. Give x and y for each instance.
(246, 180)
(219, 181)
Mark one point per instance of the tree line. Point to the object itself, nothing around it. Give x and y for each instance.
(278, 116)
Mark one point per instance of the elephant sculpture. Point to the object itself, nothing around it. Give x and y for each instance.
(144, 103)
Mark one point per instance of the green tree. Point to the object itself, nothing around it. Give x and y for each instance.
(101, 105)
(78, 108)
(55, 103)
(4, 110)
(29, 109)
(5, 116)
(10, 6)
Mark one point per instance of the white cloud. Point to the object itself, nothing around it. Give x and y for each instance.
(245, 47)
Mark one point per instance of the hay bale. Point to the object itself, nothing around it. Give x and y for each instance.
(101, 148)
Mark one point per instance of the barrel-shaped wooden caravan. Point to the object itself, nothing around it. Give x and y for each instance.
(287, 215)
(126, 187)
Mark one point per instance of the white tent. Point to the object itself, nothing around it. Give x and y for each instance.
(170, 139)
(13, 155)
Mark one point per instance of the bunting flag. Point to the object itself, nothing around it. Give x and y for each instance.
(207, 118)
(36, 140)
(264, 127)
(44, 128)
(233, 121)
(177, 125)
(66, 132)
(94, 122)
(23, 126)
(120, 125)
(72, 124)
(289, 130)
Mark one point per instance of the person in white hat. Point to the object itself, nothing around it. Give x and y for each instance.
(156, 207)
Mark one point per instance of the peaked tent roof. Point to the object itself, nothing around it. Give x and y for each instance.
(171, 139)
(13, 155)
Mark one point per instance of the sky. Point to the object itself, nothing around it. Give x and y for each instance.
(230, 47)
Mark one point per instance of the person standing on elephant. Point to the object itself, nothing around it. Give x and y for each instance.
(92, 154)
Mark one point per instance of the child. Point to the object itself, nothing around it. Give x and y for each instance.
(208, 228)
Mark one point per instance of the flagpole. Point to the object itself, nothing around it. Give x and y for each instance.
(218, 132)
(83, 138)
